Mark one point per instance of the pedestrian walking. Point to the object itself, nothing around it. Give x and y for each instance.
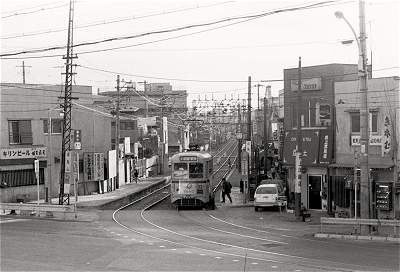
(241, 184)
(136, 174)
(226, 190)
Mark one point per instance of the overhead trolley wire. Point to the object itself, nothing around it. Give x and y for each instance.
(244, 18)
(111, 21)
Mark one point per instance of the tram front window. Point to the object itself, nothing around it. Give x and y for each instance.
(195, 170)
(180, 166)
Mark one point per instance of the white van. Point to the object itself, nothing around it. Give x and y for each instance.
(268, 195)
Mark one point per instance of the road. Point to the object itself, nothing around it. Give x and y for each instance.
(163, 239)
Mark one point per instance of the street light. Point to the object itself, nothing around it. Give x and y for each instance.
(365, 188)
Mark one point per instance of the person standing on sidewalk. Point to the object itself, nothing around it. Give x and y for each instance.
(226, 190)
(136, 174)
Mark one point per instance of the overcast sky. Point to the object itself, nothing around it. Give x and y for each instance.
(260, 48)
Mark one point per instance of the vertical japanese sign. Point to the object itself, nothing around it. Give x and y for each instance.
(93, 164)
(387, 136)
(297, 178)
(165, 136)
(68, 163)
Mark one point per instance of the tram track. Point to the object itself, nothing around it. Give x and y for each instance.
(233, 250)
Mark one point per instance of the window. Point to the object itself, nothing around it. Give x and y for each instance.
(20, 132)
(180, 166)
(355, 122)
(324, 115)
(195, 170)
(56, 126)
(128, 125)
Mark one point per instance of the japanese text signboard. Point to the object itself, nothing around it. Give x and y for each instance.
(23, 153)
(93, 164)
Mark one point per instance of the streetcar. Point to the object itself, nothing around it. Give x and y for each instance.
(191, 184)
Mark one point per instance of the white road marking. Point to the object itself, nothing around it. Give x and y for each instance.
(202, 254)
(217, 257)
(235, 260)
(13, 220)
(112, 232)
(254, 263)
(274, 266)
(216, 218)
(133, 239)
(188, 252)
(162, 246)
(119, 234)
(173, 249)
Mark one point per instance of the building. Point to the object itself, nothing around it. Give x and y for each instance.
(383, 153)
(24, 137)
(316, 110)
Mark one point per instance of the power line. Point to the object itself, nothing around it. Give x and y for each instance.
(112, 21)
(243, 18)
(32, 7)
(34, 11)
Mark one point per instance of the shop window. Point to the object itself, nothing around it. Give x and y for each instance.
(17, 178)
(20, 132)
(56, 126)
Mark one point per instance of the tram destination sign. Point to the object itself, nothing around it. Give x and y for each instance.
(188, 158)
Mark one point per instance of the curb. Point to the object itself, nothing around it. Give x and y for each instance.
(357, 237)
(125, 198)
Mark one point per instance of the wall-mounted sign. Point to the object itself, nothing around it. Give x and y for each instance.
(307, 84)
(387, 136)
(373, 140)
(23, 153)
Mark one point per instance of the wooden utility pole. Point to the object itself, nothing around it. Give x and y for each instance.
(23, 71)
(117, 134)
(249, 109)
(239, 130)
(299, 151)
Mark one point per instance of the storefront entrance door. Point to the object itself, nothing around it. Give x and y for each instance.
(314, 192)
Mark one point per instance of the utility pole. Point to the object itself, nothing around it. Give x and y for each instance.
(23, 71)
(299, 139)
(249, 109)
(67, 106)
(365, 186)
(239, 140)
(117, 132)
(162, 132)
(265, 135)
(145, 101)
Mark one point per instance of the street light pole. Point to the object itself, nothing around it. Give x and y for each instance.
(365, 186)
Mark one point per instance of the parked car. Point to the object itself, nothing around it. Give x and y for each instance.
(269, 195)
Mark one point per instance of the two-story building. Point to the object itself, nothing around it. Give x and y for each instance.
(25, 135)
(316, 111)
(383, 151)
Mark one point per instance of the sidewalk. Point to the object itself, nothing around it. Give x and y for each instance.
(88, 204)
